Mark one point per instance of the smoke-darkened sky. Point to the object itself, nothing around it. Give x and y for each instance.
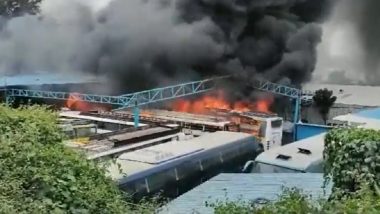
(138, 44)
(350, 49)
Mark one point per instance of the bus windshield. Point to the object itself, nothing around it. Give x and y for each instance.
(276, 123)
(268, 168)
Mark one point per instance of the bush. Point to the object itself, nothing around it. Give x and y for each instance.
(352, 160)
(40, 175)
(295, 201)
(290, 201)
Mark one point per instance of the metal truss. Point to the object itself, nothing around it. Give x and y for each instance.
(287, 91)
(135, 100)
(113, 100)
(124, 101)
(168, 93)
(278, 89)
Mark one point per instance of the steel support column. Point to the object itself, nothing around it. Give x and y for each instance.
(296, 116)
(136, 115)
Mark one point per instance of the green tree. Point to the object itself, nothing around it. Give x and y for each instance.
(324, 100)
(38, 174)
(352, 160)
(10, 8)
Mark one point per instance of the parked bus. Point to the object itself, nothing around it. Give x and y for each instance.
(304, 156)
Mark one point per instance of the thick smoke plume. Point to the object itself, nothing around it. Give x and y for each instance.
(352, 44)
(138, 44)
(368, 28)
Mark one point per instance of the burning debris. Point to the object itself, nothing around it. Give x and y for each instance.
(140, 44)
(76, 103)
(217, 101)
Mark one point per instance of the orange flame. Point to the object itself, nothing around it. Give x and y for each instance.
(75, 103)
(206, 103)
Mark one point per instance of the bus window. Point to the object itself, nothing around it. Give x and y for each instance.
(276, 123)
(263, 129)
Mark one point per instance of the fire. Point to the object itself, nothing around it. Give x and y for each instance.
(202, 105)
(76, 103)
(206, 103)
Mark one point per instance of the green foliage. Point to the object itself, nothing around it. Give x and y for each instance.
(324, 100)
(289, 202)
(363, 202)
(40, 175)
(294, 201)
(231, 207)
(11, 8)
(352, 159)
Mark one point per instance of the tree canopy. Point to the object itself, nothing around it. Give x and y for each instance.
(324, 100)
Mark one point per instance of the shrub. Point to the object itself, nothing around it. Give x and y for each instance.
(352, 160)
(289, 202)
(40, 175)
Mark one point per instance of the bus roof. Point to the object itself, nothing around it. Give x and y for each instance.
(298, 155)
(151, 159)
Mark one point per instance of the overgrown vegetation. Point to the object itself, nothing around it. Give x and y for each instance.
(40, 175)
(352, 163)
(352, 160)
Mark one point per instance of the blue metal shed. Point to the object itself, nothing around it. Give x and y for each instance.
(308, 130)
(372, 113)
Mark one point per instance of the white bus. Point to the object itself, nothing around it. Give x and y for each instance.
(304, 156)
(266, 127)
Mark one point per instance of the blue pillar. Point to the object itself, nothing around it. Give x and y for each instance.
(136, 115)
(296, 116)
(8, 100)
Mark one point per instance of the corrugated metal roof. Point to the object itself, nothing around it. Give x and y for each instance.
(77, 115)
(139, 133)
(46, 78)
(351, 94)
(246, 187)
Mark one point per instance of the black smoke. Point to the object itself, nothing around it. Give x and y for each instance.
(367, 23)
(140, 44)
(354, 27)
